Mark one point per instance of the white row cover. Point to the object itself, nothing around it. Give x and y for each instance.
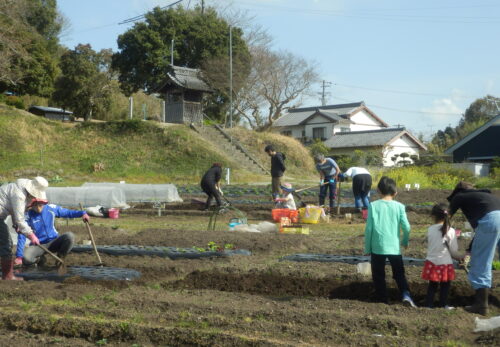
(72, 197)
(143, 192)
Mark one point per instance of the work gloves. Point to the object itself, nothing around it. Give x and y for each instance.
(34, 240)
(86, 218)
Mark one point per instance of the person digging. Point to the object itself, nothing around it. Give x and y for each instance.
(41, 218)
(210, 184)
(328, 171)
(277, 169)
(14, 198)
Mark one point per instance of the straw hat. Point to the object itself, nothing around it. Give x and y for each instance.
(36, 187)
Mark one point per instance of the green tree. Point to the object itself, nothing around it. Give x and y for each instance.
(478, 113)
(85, 84)
(44, 17)
(29, 48)
(200, 40)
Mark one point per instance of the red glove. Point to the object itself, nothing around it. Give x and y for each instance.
(34, 240)
(18, 261)
(86, 218)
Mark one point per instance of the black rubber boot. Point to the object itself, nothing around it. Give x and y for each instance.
(480, 305)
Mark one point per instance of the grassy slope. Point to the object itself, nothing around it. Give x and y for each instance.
(299, 162)
(134, 151)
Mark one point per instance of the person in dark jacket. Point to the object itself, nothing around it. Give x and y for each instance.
(277, 169)
(41, 218)
(482, 210)
(210, 184)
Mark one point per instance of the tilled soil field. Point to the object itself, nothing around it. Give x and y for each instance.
(256, 300)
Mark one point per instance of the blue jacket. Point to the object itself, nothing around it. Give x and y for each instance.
(42, 224)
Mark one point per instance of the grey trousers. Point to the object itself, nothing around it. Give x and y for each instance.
(5, 240)
(62, 246)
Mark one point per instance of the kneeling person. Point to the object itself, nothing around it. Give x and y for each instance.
(41, 218)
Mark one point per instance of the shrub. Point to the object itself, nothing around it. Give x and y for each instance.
(439, 176)
(319, 147)
(15, 101)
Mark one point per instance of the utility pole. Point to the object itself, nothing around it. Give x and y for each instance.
(324, 85)
(130, 107)
(202, 7)
(172, 53)
(230, 76)
(493, 100)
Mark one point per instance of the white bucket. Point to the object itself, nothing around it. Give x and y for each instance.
(364, 268)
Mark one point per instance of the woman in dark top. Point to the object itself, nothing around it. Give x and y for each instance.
(482, 210)
(210, 184)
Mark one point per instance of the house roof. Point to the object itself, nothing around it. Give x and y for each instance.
(337, 113)
(370, 138)
(297, 116)
(495, 121)
(186, 78)
(49, 109)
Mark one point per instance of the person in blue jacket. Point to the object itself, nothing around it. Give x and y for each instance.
(41, 217)
(328, 173)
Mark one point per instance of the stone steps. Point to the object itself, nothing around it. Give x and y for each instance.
(213, 135)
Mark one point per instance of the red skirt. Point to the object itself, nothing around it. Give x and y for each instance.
(438, 273)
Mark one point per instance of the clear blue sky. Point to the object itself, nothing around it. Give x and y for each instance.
(439, 56)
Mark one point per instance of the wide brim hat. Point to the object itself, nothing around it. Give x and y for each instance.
(37, 187)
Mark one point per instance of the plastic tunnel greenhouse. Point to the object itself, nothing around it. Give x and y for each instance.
(72, 197)
(149, 193)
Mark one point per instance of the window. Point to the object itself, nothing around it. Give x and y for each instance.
(345, 130)
(319, 133)
(303, 133)
(286, 133)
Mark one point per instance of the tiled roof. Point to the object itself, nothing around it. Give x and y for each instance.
(296, 116)
(187, 78)
(367, 138)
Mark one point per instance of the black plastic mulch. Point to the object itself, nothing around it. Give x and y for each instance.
(158, 251)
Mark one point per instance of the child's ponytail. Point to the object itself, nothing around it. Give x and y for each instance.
(441, 214)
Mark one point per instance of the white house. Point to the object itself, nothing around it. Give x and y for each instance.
(347, 127)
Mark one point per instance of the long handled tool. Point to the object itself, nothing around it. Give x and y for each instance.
(92, 241)
(296, 191)
(61, 270)
(338, 198)
(291, 190)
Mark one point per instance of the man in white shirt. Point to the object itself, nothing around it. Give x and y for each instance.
(361, 185)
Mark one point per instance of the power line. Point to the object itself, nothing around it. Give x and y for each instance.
(142, 16)
(403, 110)
(376, 16)
(401, 91)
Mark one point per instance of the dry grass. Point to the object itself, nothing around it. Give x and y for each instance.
(299, 161)
(32, 145)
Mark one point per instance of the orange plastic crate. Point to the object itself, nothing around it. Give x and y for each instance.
(277, 213)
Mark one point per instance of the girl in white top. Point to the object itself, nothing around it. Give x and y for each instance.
(287, 200)
(442, 246)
